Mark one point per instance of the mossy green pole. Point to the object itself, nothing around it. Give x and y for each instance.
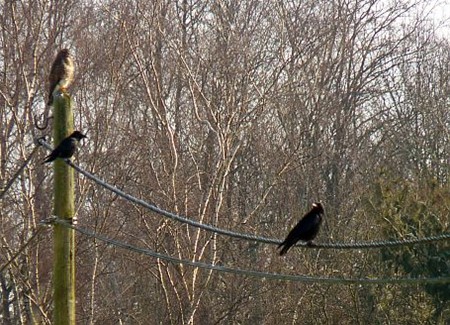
(64, 207)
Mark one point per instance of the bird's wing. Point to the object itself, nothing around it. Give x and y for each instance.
(308, 223)
(52, 156)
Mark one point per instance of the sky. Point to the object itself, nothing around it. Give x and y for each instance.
(441, 14)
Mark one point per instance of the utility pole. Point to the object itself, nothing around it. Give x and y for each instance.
(64, 208)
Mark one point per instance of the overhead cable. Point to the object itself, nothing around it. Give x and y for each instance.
(18, 172)
(246, 236)
(252, 273)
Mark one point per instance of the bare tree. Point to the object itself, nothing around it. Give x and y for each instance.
(234, 114)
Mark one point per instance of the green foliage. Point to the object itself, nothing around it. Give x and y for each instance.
(404, 209)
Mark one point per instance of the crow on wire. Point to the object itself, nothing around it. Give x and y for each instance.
(66, 148)
(305, 230)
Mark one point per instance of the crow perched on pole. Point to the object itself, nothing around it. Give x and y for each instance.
(66, 148)
(306, 229)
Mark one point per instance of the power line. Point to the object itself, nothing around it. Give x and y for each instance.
(251, 273)
(21, 249)
(250, 237)
(18, 172)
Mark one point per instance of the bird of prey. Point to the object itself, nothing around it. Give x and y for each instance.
(66, 148)
(61, 73)
(306, 229)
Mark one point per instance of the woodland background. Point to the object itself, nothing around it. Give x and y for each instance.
(238, 114)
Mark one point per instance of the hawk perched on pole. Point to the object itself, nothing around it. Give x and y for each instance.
(61, 73)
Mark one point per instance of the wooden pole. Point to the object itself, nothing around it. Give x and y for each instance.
(64, 207)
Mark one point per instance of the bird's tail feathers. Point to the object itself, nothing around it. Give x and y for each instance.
(48, 159)
(284, 249)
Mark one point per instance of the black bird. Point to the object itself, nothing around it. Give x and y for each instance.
(306, 229)
(66, 148)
